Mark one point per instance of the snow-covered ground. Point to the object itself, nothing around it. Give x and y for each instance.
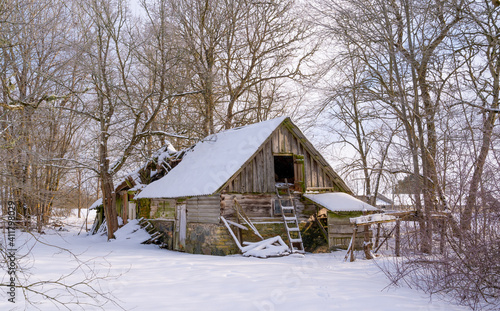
(144, 277)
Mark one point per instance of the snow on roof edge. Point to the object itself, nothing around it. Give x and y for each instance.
(95, 204)
(340, 202)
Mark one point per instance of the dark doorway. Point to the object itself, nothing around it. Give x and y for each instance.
(283, 169)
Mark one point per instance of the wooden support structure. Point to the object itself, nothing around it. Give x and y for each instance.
(385, 239)
(231, 232)
(367, 244)
(241, 213)
(377, 236)
(439, 218)
(398, 237)
(350, 249)
(366, 221)
(323, 231)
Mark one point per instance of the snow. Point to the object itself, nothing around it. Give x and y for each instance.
(268, 248)
(159, 157)
(339, 202)
(212, 162)
(96, 204)
(132, 231)
(144, 277)
(372, 218)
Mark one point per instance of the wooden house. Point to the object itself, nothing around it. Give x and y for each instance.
(239, 169)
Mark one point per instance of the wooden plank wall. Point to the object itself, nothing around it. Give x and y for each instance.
(259, 207)
(340, 230)
(203, 209)
(258, 174)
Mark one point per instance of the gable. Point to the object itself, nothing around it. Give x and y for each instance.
(257, 175)
(241, 160)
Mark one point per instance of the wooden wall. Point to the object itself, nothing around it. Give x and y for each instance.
(257, 175)
(203, 209)
(340, 230)
(259, 207)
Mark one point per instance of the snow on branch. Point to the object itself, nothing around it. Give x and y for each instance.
(160, 133)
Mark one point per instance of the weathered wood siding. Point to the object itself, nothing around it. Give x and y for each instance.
(340, 230)
(203, 209)
(260, 207)
(257, 175)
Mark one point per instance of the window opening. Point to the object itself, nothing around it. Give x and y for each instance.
(283, 169)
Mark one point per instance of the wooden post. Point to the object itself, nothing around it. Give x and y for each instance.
(377, 237)
(125, 207)
(398, 237)
(367, 245)
(352, 243)
(238, 231)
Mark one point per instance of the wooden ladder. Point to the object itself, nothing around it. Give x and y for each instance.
(290, 219)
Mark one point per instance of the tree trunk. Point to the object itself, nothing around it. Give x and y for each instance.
(466, 216)
(108, 201)
(488, 124)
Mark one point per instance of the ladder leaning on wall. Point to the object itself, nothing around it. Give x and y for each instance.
(289, 216)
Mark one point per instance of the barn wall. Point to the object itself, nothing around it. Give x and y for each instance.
(340, 230)
(144, 208)
(260, 207)
(257, 176)
(203, 209)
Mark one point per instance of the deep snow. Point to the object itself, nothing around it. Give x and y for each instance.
(144, 277)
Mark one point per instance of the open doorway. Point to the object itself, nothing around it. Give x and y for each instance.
(284, 169)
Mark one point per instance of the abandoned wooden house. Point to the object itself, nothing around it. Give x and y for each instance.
(161, 162)
(265, 176)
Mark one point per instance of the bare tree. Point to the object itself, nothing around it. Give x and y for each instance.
(361, 123)
(117, 103)
(35, 57)
(484, 79)
(402, 64)
(237, 48)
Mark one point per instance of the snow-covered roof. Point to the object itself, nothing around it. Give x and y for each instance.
(339, 202)
(159, 157)
(95, 204)
(212, 162)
